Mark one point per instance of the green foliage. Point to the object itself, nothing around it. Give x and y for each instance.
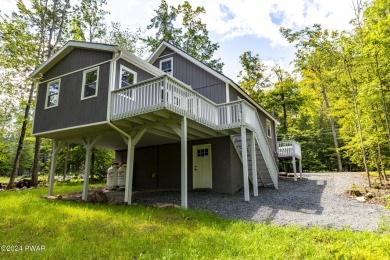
(75, 230)
(191, 36)
(88, 21)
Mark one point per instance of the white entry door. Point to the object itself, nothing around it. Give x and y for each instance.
(201, 172)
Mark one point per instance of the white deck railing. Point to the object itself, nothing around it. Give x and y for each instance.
(289, 148)
(166, 92)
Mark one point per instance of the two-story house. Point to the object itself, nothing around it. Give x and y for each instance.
(178, 123)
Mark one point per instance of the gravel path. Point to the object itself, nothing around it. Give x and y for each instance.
(318, 199)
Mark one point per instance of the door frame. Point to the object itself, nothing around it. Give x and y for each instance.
(194, 156)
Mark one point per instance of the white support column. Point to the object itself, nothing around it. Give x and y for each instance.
(131, 142)
(56, 148)
(245, 162)
(88, 143)
(254, 165)
(300, 168)
(295, 168)
(129, 171)
(184, 202)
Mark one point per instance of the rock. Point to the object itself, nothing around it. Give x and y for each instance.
(113, 202)
(369, 195)
(165, 205)
(100, 196)
(361, 199)
(355, 193)
(59, 197)
(24, 188)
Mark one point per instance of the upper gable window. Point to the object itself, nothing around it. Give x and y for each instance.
(127, 77)
(167, 66)
(90, 83)
(269, 128)
(52, 94)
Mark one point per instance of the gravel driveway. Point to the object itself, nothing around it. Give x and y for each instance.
(317, 200)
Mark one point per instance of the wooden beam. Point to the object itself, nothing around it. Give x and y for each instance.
(254, 165)
(149, 117)
(56, 148)
(245, 163)
(184, 187)
(295, 168)
(164, 134)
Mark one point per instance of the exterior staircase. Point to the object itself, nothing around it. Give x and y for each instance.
(263, 176)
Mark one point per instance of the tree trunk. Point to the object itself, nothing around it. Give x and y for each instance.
(66, 161)
(332, 126)
(18, 154)
(37, 155)
(354, 93)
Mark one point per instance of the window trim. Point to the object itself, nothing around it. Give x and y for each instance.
(268, 123)
(122, 67)
(97, 82)
(167, 59)
(47, 93)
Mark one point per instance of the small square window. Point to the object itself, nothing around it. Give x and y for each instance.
(127, 77)
(53, 90)
(167, 66)
(90, 83)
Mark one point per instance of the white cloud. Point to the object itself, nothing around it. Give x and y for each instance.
(253, 17)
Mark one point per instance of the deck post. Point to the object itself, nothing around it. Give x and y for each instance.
(184, 202)
(129, 171)
(300, 168)
(295, 168)
(56, 148)
(131, 141)
(245, 162)
(254, 165)
(89, 144)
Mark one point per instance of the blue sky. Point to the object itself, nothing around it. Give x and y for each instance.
(242, 25)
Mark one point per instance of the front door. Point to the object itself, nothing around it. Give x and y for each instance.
(201, 172)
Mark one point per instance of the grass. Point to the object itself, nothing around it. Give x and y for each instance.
(71, 230)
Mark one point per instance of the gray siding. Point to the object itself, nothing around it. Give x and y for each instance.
(75, 60)
(141, 74)
(164, 160)
(199, 79)
(71, 110)
(234, 95)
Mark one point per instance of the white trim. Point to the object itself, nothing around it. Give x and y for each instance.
(35, 109)
(218, 75)
(67, 48)
(227, 93)
(122, 67)
(69, 128)
(75, 71)
(164, 60)
(140, 63)
(47, 93)
(268, 123)
(97, 83)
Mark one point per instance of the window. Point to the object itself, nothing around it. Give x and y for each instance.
(202, 152)
(269, 128)
(90, 83)
(167, 66)
(53, 90)
(127, 77)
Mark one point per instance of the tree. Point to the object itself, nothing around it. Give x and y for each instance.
(314, 54)
(191, 36)
(30, 36)
(126, 38)
(253, 76)
(88, 22)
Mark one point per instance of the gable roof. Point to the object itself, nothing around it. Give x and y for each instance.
(155, 55)
(71, 45)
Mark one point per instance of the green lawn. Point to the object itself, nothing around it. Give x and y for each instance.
(71, 230)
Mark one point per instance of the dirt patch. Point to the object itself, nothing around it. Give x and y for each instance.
(376, 194)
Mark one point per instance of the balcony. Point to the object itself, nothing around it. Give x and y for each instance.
(289, 148)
